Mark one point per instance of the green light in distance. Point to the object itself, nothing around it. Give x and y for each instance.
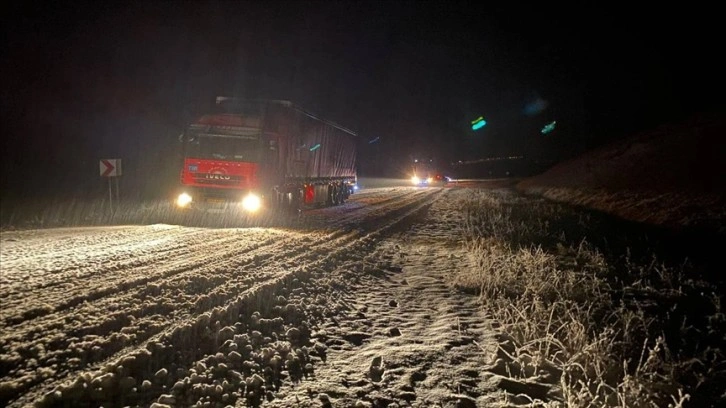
(549, 127)
(478, 123)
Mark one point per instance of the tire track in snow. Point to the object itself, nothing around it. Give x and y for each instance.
(401, 212)
(48, 301)
(52, 301)
(47, 272)
(405, 337)
(376, 206)
(140, 294)
(103, 276)
(50, 245)
(223, 292)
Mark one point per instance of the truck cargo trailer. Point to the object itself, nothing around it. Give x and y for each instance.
(254, 155)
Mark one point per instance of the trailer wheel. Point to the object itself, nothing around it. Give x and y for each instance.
(340, 193)
(342, 197)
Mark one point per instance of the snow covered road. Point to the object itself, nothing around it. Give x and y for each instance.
(136, 315)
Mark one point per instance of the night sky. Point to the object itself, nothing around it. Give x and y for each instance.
(86, 81)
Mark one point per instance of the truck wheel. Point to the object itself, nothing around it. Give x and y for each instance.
(332, 196)
(279, 199)
(292, 200)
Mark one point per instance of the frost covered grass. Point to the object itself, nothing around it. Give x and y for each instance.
(602, 330)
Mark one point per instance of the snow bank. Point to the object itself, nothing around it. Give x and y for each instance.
(672, 176)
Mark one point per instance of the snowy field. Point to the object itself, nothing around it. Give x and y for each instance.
(388, 300)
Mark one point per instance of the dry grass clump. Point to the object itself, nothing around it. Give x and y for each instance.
(571, 273)
(564, 319)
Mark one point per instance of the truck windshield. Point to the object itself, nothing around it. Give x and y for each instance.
(224, 148)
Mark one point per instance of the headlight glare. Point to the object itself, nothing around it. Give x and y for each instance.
(183, 200)
(251, 202)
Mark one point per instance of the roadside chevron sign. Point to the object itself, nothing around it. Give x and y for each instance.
(110, 167)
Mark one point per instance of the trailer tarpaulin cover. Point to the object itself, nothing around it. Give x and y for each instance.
(311, 147)
(298, 144)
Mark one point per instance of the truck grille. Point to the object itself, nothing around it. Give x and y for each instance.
(217, 179)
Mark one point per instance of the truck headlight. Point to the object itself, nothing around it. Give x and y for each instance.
(415, 180)
(183, 200)
(251, 202)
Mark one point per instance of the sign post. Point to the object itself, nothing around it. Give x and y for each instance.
(111, 168)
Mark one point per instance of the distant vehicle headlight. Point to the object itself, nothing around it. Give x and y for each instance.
(429, 180)
(415, 180)
(183, 200)
(251, 202)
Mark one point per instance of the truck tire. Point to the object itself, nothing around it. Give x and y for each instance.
(332, 196)
(291, 199)
(279, 199)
